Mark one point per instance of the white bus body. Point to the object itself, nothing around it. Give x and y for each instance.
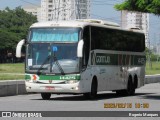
(94, 69)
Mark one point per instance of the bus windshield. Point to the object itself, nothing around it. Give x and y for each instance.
(54, 34)
(53, 50)
(42, 57)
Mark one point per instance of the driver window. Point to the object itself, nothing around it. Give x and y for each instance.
(86, 48)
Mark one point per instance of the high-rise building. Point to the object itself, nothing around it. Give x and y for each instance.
(139, 20)
(34, 10)
(64, 9)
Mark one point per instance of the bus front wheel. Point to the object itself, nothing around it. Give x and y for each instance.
(46, 96)
(93, 93)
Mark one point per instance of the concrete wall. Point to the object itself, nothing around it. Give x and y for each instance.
(12, 87)
(152, 79)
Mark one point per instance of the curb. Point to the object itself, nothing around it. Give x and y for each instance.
(12, 87)
(152, 79)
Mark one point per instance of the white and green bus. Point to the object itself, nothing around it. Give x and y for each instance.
(83, 57)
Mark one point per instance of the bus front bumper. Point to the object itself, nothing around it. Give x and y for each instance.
(53, 88)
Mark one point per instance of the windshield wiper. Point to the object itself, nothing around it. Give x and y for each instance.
(59, 66)
(46, 60)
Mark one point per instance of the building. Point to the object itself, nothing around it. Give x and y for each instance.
(139, 20)
(35, 10)
(64, 9)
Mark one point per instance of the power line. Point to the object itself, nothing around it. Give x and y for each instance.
(104, 18)
(30, 3)
(102, 4)
(94, 2)
(38, 0)
(107, 0)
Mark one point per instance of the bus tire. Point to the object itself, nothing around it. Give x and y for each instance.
(93, 93)
(120, 92)
(135, 81)
(130, 87)
(46, 96)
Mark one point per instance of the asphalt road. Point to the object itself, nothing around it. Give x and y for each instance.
(147, 96)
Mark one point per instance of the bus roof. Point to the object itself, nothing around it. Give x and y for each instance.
(82, 23)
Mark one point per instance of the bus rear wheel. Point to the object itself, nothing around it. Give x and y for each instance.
(46, 96)
(120, 92)
(93, 93)
(130, 87)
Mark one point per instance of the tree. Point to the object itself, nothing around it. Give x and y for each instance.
(148, 6)
(14, 25)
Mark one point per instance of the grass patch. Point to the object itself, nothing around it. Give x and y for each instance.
(12, 68)
(155, 69)
(12, 71)
(11, 77)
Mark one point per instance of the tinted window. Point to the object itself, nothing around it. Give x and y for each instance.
(110, 39)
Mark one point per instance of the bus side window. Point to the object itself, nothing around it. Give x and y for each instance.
(86, 48)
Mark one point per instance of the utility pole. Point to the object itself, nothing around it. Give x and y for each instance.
(58, 10)
(76, 9)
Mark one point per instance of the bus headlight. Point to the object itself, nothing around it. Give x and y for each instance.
(71, 81)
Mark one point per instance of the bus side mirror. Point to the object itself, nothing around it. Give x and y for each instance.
(19, 48)
(80, 48)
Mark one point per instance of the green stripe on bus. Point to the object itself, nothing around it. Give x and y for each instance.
(53, 77)
(117, 59)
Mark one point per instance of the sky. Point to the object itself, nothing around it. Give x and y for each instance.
(100, 9)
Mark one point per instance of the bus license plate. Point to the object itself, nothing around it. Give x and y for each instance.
(49, 88)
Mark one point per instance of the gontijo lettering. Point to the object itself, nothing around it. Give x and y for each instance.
(103, 59)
